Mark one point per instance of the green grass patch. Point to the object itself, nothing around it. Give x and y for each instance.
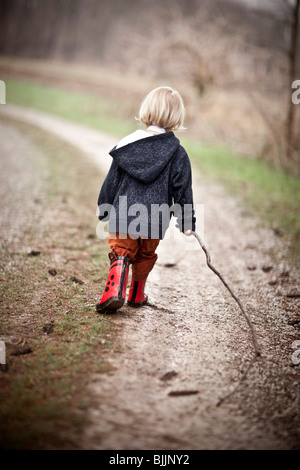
(88, 109)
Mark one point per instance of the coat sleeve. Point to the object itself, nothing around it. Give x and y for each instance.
(182, 192)
(108, 190)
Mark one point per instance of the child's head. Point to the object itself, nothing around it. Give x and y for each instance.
(163, 107)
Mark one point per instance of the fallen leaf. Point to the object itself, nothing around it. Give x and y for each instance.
(34, 253)
(75, 279)
(266, 269)
(251, 267)
(53, 272)
(179, 393)
(20, 352)
(48, 328)
(168, 375)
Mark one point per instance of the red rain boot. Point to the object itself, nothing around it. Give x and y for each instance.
(114, 293)
(137, 297)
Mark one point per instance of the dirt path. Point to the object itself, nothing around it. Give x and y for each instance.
(197, 336)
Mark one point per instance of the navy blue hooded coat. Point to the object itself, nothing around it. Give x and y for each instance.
(149, 181)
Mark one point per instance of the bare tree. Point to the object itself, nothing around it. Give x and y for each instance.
(293, 56)
(281, 145)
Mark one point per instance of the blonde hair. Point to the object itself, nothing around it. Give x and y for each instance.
(163, 107)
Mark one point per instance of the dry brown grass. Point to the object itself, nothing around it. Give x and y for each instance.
(51, 276)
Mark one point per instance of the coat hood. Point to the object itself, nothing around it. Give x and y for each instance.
(146, 158)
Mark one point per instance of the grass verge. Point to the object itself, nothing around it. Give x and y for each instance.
(50, 279)
(273, 196)
(268, 193)
(89, 109)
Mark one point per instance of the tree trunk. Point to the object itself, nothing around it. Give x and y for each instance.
(293, 54)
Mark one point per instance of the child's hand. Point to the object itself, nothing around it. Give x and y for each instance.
(188, 233)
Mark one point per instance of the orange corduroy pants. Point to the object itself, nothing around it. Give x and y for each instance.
(141, 252)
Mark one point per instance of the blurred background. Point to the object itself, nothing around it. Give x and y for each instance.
(92, 62)
(234, 62)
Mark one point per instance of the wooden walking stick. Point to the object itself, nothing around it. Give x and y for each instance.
(257, 352)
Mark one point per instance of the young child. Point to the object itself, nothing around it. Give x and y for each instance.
(149, 181)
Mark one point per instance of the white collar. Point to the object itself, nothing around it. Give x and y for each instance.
(156, 129)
